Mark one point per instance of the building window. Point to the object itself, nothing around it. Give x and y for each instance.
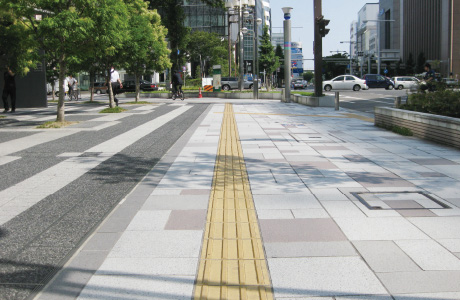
(387, 30)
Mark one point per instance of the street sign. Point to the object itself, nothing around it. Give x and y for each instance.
(385, 71)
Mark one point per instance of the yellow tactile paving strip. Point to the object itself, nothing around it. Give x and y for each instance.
(232, 262)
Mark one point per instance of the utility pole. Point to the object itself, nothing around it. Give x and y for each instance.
(320, 32)
(287, 53)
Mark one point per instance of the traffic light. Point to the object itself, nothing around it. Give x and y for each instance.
(322, 23)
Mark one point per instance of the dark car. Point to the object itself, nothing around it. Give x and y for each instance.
(378, 81)
(100, 88)
(129, 86)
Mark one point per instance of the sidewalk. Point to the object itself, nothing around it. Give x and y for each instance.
(343, 210)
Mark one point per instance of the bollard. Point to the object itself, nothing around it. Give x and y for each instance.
(337, 99)
(397, 102)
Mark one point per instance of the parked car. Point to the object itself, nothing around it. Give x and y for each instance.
(450, 82)
(129, 86)
(378, 81)
(345, 82)
(100, 88)
(405, 82)
(231, 83)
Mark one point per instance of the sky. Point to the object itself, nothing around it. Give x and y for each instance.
(340, 12)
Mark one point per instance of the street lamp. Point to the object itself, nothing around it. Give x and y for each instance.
(378, 39)
(351, 43)
(287, 53)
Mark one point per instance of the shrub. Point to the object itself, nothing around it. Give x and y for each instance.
(444, 102)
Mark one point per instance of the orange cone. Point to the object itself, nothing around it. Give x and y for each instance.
(199, 94)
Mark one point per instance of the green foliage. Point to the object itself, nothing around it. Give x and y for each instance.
(18, 49)
(111, 110)
(280, 54)
(267, 58)
(397, 129)
(444, 102)
(308, 76)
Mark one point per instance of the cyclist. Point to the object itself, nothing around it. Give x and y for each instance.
(429, 78)
(72, 82)
(177, 83)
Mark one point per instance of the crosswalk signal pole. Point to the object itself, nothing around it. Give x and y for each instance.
(320, 32)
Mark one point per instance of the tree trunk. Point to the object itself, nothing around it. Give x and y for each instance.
(91, 86)
(138, 88)
(61, 105)
(53, 90)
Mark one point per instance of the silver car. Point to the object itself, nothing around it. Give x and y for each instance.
(405, 82)
(231, 83)
(345, 82)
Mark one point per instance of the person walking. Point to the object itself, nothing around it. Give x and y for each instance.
(117, 85)
(9, 89)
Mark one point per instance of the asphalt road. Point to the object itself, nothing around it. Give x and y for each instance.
(38, 241)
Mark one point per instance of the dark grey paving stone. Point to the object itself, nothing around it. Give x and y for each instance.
(433, 161)
(88, 124)
(409, 208)
(186, 220)
(102, 241)
(309, 249)
(368, 179)
(416, 213)
(421, 282)
(8, 136)
(431, 174)
(301, 230)
(356, 158)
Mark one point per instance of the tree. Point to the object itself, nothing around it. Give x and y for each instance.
(308, 76)
(420, 63)
(280, 54)
(205, 45)
(399, 70)
(145, 49)
(410, 64)
(267, 58)
(18, 48)
(333, 69)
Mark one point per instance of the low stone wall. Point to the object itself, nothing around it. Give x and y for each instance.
(266, 96)
(325, 101)
(440, 129)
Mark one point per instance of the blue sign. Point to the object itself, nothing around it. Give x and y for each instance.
(385, 71)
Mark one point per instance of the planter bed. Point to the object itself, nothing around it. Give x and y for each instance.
(265, 96)
(440, 129)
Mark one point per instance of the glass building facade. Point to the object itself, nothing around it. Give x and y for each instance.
(202, 17)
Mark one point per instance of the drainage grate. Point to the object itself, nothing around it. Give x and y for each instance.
(399, 201)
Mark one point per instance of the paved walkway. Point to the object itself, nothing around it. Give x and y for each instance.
(344, 210)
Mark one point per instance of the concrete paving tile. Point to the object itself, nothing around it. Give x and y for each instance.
(300, 230)
(385, 256)
(346, 209)
(454, 201)
(430, 255)
(147, 267)
(196, 192)
(366, 297)
(375, 229)
(309, 249)
(286, 201)
(421, 282)
(408, 213)
(178, 202)
(163, 191)
(274, 214)
(310, 213)
(149, 220)
(368, 179)
(314, 165)
(102, 241)
(433, 161)
(328, 194)
(186, 220)
(327, 276)
(439, 228)
(429, 296)
(138, 287)
(453, 245)
(138, 244)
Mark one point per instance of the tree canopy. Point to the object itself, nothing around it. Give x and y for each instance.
(267, 58)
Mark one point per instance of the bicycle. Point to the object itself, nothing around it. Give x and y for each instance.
(73, 95)
(178, 94)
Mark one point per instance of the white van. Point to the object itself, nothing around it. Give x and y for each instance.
(405, 82)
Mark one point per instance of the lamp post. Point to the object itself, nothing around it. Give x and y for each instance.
(378, 39)
(230, 6)
(287, 53)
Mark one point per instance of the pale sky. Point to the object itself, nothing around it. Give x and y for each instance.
(340, 12)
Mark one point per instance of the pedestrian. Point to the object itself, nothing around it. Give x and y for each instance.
(9, 89)
(72, 83)
(117, 85)
(429, 78)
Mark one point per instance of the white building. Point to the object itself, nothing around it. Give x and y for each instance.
(367, 32)
(297, 59)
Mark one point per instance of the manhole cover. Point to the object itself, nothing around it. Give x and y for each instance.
(399, 201)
